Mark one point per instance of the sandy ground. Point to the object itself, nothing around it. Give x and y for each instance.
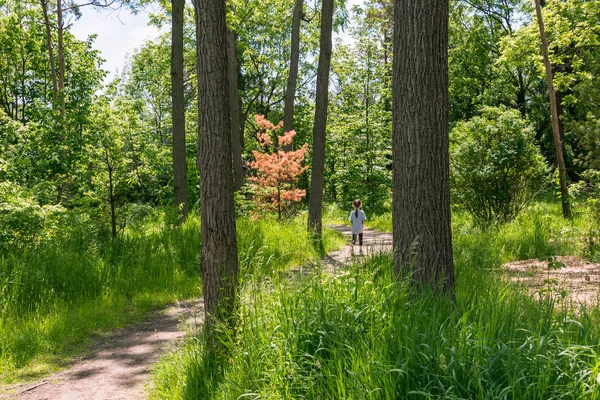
(571, 278)
(118, 366)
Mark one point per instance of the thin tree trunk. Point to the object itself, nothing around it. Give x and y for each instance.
(278, 202)
(178, 102)
(315, 205)
(44, 4)
(367, 122)
(219, 257)
(111, 197)
(290, 91)
(560, 159)
(236, 109)
(61, 57)
(387, 74)
(421, 184)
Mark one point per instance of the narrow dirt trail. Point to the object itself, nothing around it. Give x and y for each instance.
(120, 365)
(374, 242)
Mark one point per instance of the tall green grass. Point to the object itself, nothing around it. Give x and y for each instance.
(56, 294)
(363, 335)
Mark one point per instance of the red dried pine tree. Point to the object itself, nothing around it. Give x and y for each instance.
(276, 170)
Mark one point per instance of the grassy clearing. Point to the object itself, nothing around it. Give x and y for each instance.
(539, 231)
(361, 335)
(55, 295)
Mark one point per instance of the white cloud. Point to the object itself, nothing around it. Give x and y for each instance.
(141, 34)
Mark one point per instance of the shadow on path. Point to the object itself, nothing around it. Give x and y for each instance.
(119, 366)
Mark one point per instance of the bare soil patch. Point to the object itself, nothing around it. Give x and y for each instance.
(575, 280)
(119, 366)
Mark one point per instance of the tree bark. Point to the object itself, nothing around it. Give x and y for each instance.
(558, 143)
(178, 103)
(421, 178)
(61, 57)
(290, 91)
(219, 258)
(236, 110)
(111, 196)
(315, 205)
(44, 4)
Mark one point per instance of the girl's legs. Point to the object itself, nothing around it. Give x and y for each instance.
(360, 241)
(354, 239)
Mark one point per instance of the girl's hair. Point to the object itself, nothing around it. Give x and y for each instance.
(357, 203)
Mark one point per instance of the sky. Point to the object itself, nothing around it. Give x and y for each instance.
(119, 34)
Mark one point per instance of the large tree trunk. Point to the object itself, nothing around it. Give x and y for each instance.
(421, 178)
(236, 110)
(61, 57)
(560, 159)
(290, 91)
(177, 93)
(315, 205)
(44, 4)
(219, 258)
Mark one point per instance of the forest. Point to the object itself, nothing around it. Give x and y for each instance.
(216, 173)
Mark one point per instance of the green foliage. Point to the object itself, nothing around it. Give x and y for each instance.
(575, 56)
(39, 147)
(496, 166)
(589, 189)
(589, 133)
(22, 220)
(358, 162)
(472, 48)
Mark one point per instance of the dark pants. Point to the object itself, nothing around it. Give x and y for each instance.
(360, 238)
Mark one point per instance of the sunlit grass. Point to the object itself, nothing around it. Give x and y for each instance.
(362, 335)
(56, 295)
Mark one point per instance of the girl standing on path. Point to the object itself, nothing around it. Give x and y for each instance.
(357, 218)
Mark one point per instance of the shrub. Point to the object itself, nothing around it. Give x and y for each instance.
(496, 166)
(22, 219)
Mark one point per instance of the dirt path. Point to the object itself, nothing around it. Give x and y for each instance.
(572, 279)
(373, 242)
(120, 365)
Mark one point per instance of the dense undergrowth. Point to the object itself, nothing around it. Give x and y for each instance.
(55, 293)
(362, 335)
